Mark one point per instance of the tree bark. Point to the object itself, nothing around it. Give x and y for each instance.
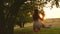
(2, 19)
(7, 25)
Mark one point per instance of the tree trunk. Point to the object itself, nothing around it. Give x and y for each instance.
(5, 26)
(2, 19)
(10, 25)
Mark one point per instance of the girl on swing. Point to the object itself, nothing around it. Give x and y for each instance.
(38, 21)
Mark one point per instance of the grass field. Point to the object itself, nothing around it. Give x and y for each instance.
(29, 30)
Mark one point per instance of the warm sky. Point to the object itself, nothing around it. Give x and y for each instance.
(51, 13)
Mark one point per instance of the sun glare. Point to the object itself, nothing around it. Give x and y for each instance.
(51, 13)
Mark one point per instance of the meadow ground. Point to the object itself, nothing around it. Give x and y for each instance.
(29, 30)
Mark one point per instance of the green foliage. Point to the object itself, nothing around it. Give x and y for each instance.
(25, 11)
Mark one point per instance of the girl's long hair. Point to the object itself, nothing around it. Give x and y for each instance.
(36, 15)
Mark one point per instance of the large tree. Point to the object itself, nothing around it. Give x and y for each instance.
(7, 25)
